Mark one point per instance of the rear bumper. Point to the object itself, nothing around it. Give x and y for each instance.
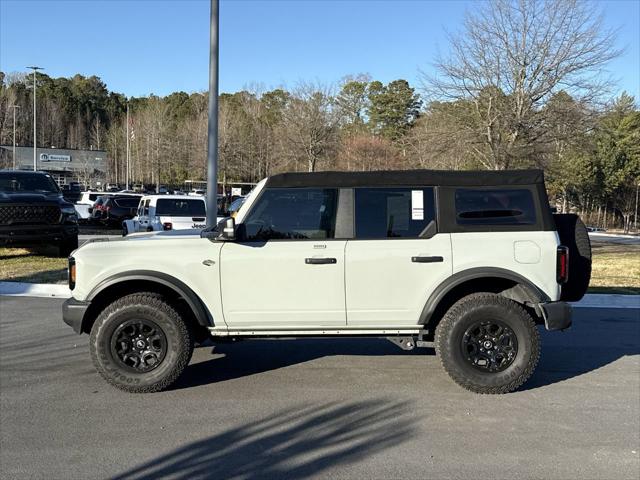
(24, 235)
(73, 312)
(557, 315)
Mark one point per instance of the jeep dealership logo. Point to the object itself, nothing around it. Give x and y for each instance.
(50, 157)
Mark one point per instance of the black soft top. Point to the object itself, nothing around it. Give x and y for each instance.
(465, 178)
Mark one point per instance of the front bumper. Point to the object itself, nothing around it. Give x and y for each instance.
(24, 235)
(557, 315)
(73, 312)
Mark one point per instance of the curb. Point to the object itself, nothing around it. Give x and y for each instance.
(17, 289)
(604, 300)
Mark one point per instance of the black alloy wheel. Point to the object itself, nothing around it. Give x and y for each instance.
(139, 345)
(489, 346)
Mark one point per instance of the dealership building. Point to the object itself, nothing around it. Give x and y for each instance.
(89, 167)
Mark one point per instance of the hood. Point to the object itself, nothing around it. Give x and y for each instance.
(30, 197)
(162, 235)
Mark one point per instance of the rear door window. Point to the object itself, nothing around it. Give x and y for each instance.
(400, 212)
(494, 207)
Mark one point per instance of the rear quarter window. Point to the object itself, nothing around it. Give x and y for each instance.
(494, 207)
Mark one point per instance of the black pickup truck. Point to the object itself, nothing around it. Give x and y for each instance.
(34, 212)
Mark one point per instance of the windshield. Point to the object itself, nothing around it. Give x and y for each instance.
(236, 204)
(11, 182)
(127, 202)
(180, 208)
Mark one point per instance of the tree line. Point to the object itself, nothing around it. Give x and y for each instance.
(521, 86)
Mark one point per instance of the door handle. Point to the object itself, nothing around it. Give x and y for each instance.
(434, 259)
(319, 261)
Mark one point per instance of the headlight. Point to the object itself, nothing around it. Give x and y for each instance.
(68, 210)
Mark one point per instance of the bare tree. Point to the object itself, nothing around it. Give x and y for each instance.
(512, 56)
(367, 152)
(96, 132)
(311, 124)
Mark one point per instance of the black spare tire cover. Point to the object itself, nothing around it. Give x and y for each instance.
(573, 235)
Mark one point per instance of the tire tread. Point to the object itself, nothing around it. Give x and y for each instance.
(154, 300)
(464, 305)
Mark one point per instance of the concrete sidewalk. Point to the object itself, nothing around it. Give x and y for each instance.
(16, 289)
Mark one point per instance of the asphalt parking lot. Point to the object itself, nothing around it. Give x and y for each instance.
(338, 408)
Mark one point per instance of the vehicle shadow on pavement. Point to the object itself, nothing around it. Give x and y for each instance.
(596, 339)
(295, 443)
(593, 342)
(251, 357)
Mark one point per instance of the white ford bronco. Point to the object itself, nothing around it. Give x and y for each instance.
(468, 262)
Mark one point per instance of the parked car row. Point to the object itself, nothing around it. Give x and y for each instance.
(167, 212)
(140, 213)
(112, 209)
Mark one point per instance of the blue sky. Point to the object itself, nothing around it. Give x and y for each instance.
(160, 46)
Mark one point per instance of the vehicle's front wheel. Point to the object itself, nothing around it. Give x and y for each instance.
(140, 343)
(488, 343)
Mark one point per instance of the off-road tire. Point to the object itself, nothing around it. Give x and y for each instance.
(474, 308)
(65, 247)
(573, 234)
(152, 307)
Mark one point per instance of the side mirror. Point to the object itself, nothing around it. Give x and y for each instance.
(227, 229)
(224, 231)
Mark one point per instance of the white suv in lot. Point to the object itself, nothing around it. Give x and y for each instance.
(167, 212)
(468, 262)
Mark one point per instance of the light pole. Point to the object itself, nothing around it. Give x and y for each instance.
(35, 138)
(128, 140)
(212, 138)
(14, 134)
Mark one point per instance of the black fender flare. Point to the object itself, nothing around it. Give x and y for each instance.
(535, 294)
(201, 312)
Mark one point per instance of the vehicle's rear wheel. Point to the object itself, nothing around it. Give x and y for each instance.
(488, 343)
(66, 246)
(125, 230)
(140, 343)
(573, 234)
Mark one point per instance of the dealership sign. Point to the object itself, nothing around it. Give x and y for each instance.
(50, 157)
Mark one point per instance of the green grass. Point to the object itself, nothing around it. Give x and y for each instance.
(616, 268)
(21, 265)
